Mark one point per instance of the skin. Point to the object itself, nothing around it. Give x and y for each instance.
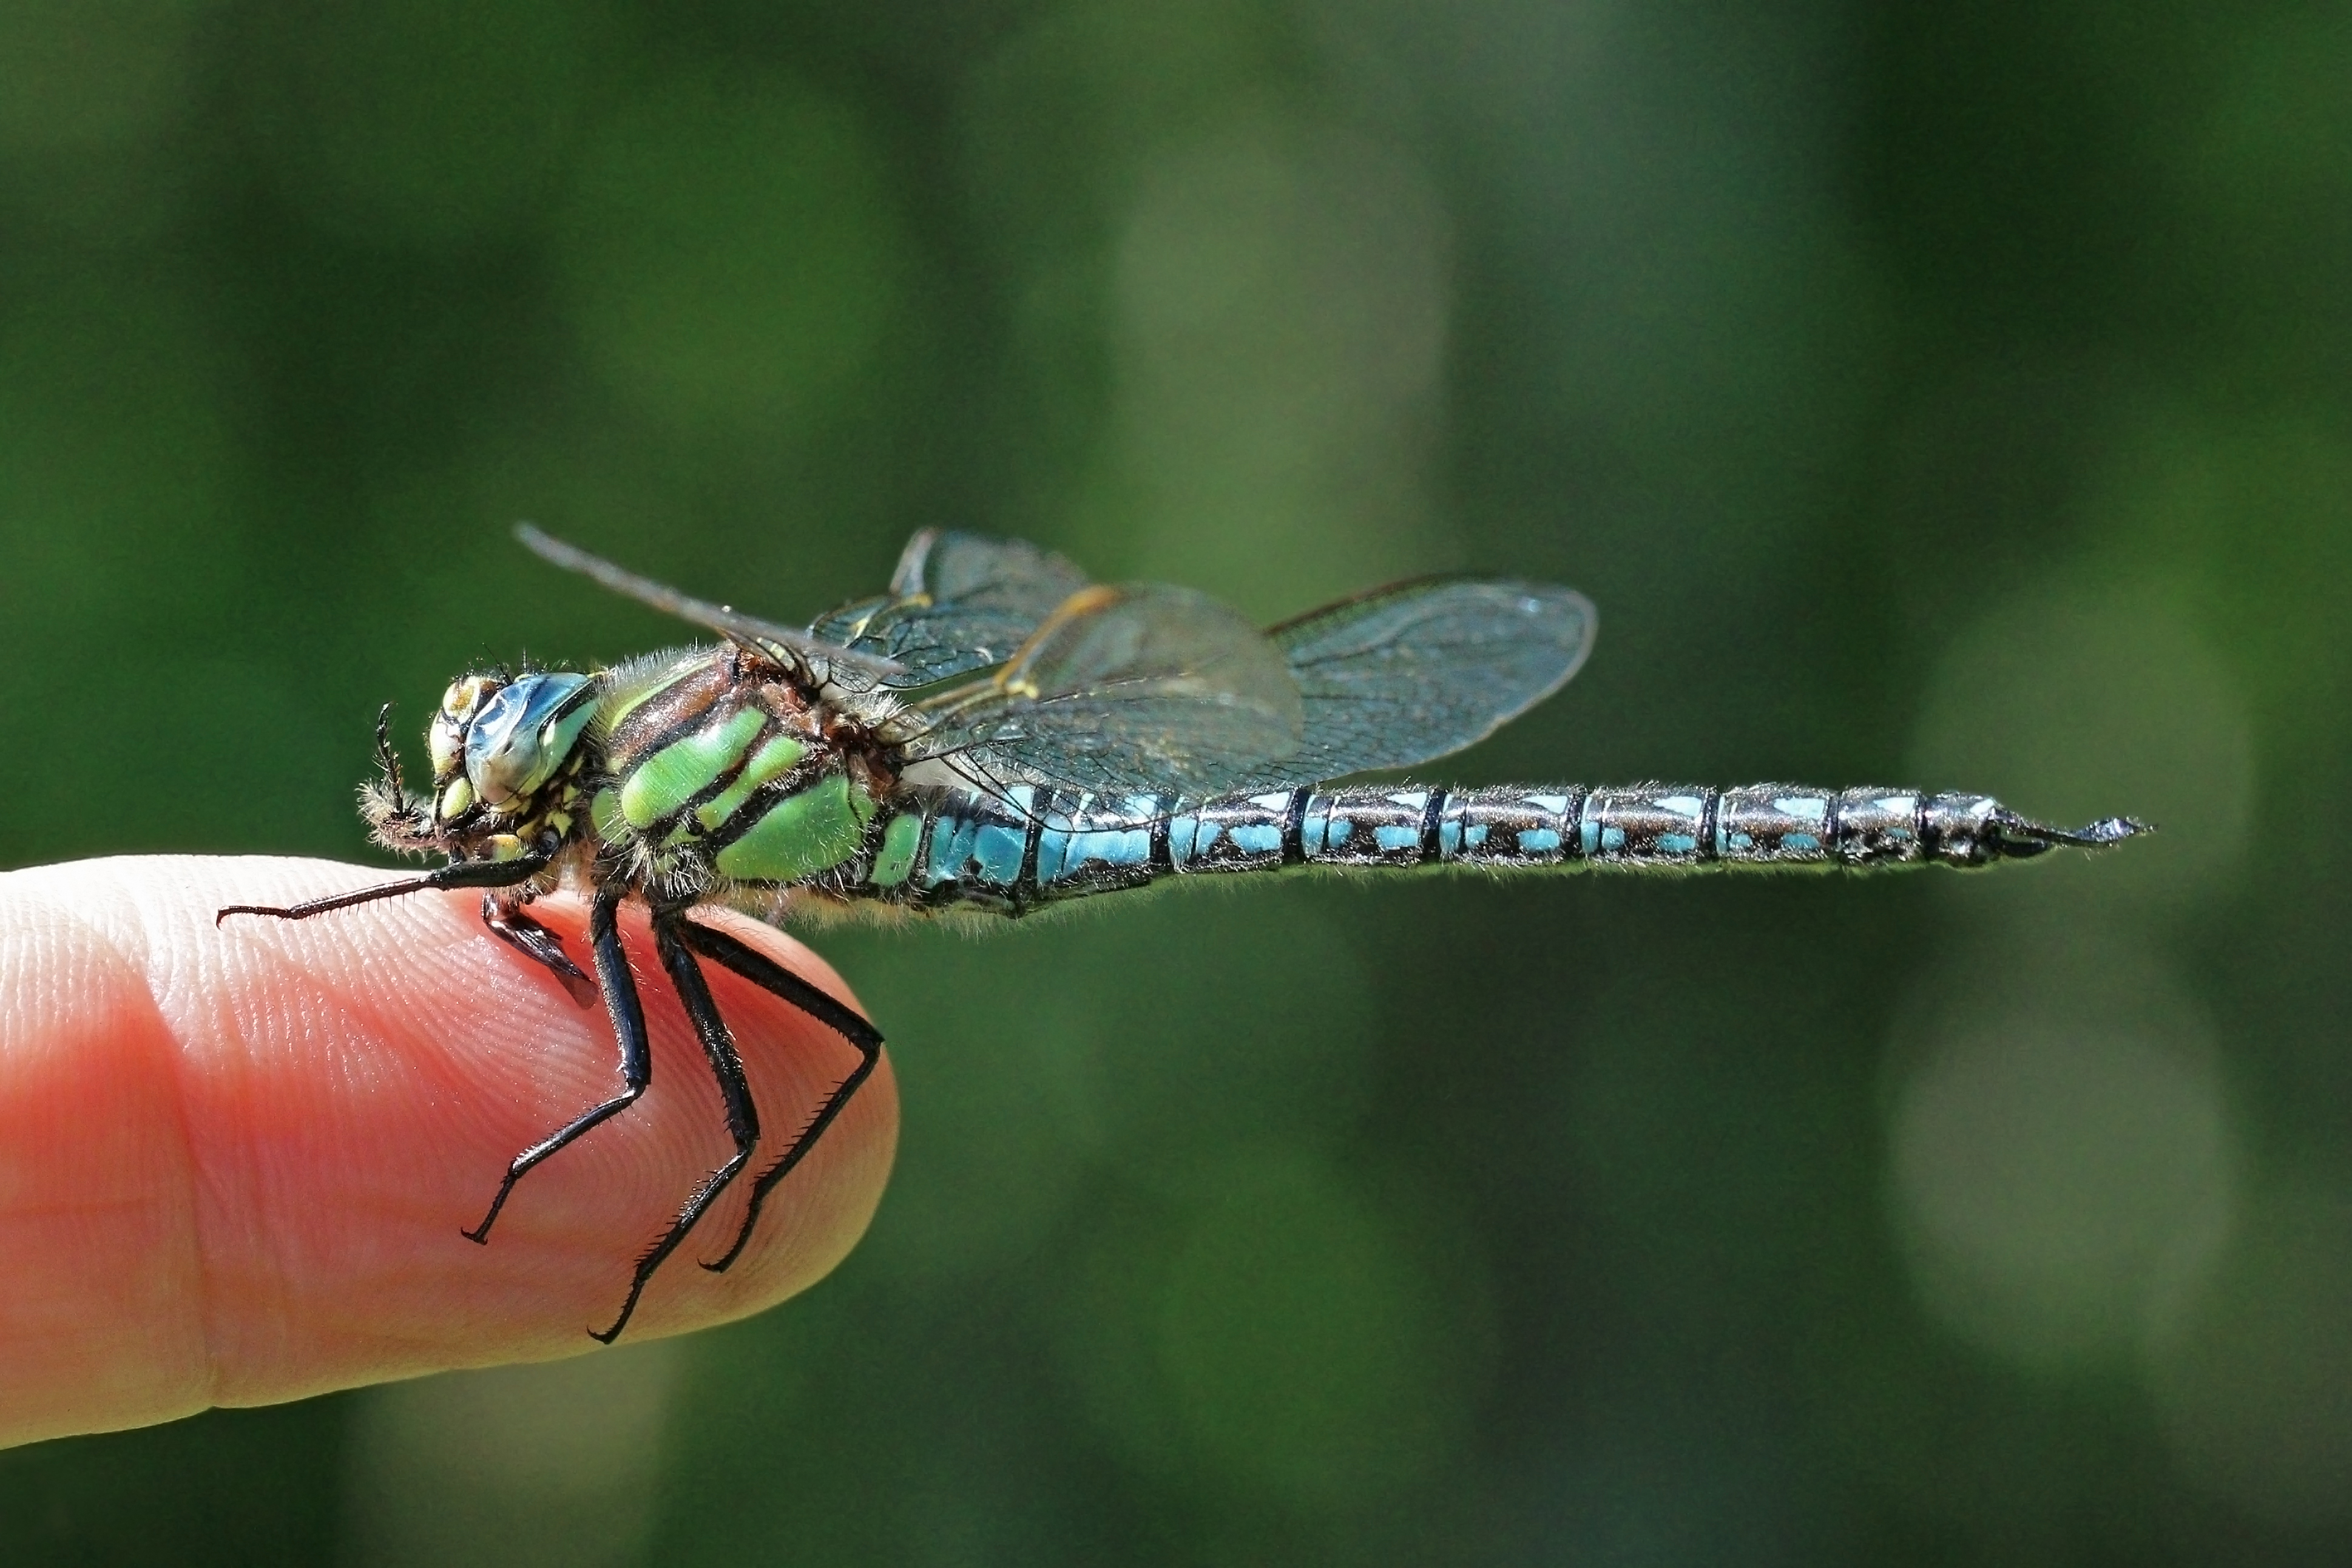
(234, 1163)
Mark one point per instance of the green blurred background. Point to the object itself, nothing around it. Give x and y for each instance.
(1952, 397)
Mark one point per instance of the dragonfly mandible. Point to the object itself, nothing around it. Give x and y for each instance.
(997, 735)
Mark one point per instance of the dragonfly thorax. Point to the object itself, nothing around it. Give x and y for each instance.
(724, 766)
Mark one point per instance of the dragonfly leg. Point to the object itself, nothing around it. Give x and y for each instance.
(765, 973)
(457, 874)
(629, 1016)
(742, 1119)
(518, 930)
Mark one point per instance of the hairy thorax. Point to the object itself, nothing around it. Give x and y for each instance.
(718, 766)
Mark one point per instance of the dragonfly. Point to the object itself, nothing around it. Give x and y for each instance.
(996, 735)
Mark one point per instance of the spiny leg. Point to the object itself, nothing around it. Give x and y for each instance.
(629, 1016)
(742, 1119)
(457, 874)
(387, 760)
(519, 931)
(776, 980)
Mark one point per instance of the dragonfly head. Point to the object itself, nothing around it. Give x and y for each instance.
(497, 743)
(503, 750)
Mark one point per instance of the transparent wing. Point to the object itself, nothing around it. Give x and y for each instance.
(824, 660)
(956, 602)
(1407, 674)
(1148, 688)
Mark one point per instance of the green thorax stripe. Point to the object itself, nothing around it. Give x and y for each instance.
(663, 785)
(624, 702)
(777, 755)
(810, 830)
(895, 861)
(654, 701)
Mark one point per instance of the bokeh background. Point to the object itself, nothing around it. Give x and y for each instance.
(1951, 397)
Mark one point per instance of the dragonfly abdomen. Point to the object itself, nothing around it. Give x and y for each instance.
(1032, 846)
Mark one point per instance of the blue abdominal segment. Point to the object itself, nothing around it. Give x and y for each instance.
(1029, 846)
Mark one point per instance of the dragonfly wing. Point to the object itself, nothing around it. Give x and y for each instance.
(956, 602)
(1149, 688)
(828, 660)
(1407, 674)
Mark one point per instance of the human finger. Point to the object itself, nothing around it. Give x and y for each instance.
(234, 1160)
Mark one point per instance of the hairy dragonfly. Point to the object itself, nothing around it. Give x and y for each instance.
(996, 734)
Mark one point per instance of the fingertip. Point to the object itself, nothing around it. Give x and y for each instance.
(350, 1090)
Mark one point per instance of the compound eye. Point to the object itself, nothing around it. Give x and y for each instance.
(445, 740)
(522, 735)
(459, 700)
(446, 736)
